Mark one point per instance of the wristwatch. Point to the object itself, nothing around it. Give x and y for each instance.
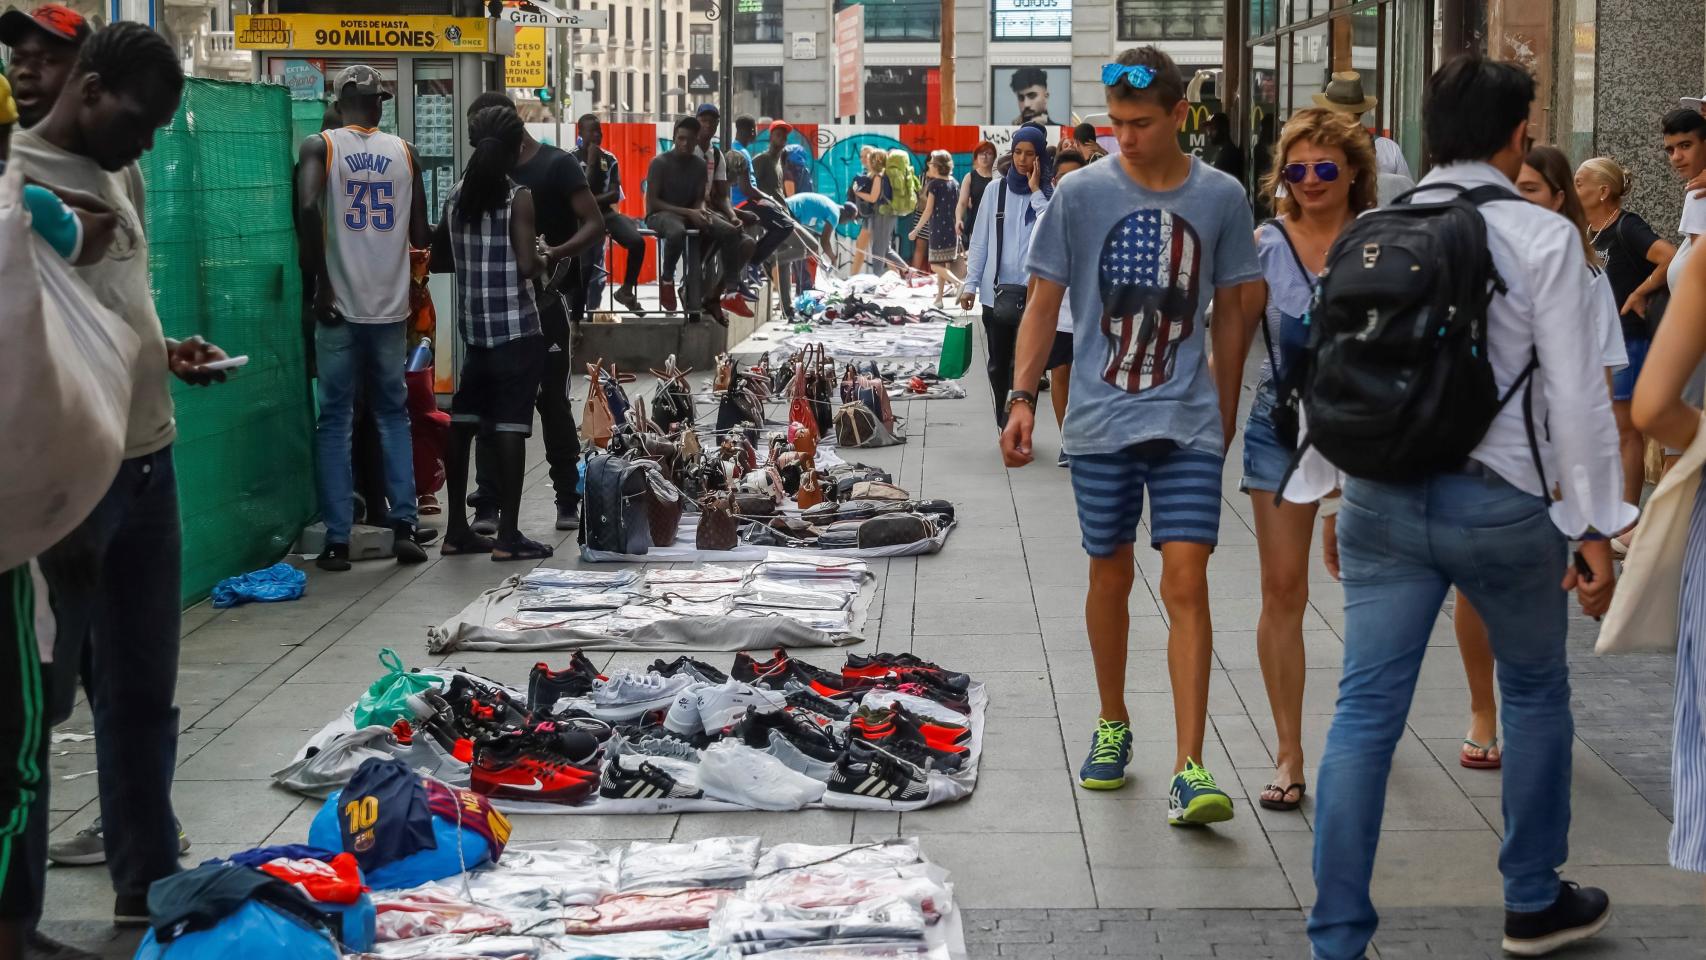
(1021, 396)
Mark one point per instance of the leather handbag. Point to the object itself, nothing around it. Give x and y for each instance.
(749, 505)
(614, 507)
(843, 535)
(810, 493)
(878, 490)
(672, 401)
(717, 528)
(725, 373)
(664, 507)
(895, 529)
(1009, 306)
(855, 425)
(597, 424)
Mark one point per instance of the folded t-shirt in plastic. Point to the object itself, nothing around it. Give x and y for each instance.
(792, 856)
(718, 861)
(548, 577)
(653, 909)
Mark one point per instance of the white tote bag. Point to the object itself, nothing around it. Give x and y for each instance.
(65, 382)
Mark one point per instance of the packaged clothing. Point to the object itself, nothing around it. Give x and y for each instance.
(757, 927)
(651, 945)
(718, 861)
(433, 910)
(546, 577)
(334, 881)
(686, 909)
(793, 856)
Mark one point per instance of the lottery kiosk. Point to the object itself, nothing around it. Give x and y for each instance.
(433, 65)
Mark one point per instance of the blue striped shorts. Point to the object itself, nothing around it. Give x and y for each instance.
(1184, 493)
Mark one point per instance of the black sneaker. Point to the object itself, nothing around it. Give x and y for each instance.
(406, 547)
(546, 686)
(869, 777)
(812, 741)
(802, 697)
(568, 516)
(334, 559)
(698, 669)
(645, 783)
(485, 520)
(130, 910)
(434, 715)
(1577, 914)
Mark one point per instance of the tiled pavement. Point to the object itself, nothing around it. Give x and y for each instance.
(1045, 868)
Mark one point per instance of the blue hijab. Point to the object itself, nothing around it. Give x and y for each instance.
(1019, 183)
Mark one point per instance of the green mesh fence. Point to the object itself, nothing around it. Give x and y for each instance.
(223, 264)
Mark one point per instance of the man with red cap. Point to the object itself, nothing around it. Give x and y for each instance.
(44, 47)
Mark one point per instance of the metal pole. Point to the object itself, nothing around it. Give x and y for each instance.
(560, 58)
(657, 56)
(726, 60)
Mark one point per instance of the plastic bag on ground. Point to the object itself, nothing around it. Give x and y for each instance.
(387, 700)
(740, 774)
(276, 583)
(718, 861)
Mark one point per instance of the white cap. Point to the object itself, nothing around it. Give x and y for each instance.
(1695, 103)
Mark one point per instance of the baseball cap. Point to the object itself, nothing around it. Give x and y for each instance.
(54, 19)
(366, 80)
(780, 128)
(1695, 103)
(709, 108)
(8, 107)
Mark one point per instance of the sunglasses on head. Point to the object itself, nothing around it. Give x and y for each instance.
(1326, 171)
(1134, 75)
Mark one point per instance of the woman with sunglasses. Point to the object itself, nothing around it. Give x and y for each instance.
(1545, 181)
(1325, 163)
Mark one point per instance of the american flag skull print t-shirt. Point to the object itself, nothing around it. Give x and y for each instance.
(1142, 267)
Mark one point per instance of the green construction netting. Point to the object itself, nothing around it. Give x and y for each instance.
(223, 264)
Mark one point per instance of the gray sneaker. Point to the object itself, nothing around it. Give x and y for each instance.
(88, 847)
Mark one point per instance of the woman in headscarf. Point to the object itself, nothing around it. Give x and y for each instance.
(1000, 239)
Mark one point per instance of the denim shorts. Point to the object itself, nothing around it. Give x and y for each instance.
(1184, 492)
(1623, 381)
(1266, 456)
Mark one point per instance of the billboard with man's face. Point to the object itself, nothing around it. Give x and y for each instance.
(1021, 94)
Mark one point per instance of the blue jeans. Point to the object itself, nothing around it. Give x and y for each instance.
(1400, 548)
(374, 353)
(115, 588)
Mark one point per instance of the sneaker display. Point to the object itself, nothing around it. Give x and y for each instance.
(897, 665)
(1577, 914)
(697, 669)
(802, 697)
(758, 727)
(655, 746)
(870, 777)
(334, 558)
(907, 745)
(942, 739)
(781, 668)
(546, 686)
(1195, 800)
(511, 768)
(628, 695)
(87, 847)
(436, 717)
(920, 685)
(646, 782)
(683, 719)
(783, 749)
(1110, 754)
(709, 709)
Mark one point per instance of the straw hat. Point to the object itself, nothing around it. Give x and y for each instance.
(1344, 94)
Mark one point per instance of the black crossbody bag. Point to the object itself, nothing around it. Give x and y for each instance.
(1009, 306)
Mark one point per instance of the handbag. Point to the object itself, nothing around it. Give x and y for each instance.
(616, 519)
(811, 493)
(65, 393)
(717, 529)
(672, 401)
(597, 424)
(955, 358)
(664, 507)
(895, 529)
(1009, 306)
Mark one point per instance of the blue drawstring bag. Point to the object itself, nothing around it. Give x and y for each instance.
(281, 581)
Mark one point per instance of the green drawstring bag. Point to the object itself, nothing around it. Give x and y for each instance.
(387, 700)
(956, 352)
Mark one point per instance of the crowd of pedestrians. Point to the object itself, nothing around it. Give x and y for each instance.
(1501, 468)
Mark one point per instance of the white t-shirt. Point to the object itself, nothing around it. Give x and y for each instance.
(1612, 354)
(1063, 323)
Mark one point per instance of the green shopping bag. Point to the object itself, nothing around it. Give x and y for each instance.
(956, 352)
(387, 700)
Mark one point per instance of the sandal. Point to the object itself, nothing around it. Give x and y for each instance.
(1282, 803)
(521, 548)
(471, 543)
(1490, 758)
(428, 506)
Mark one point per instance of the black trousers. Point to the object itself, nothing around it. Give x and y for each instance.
(556, 418)
(720, 246)
(776, 225)
(23, 741)
(625, 233)
(1001, 340)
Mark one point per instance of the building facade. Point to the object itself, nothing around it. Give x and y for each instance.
(643, 67)
(1013, 59)
(201, 29)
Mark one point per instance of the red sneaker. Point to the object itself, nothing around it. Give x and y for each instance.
(666, 296)
(736, 304)
(898, 665)
(780, 668)
(506, 768)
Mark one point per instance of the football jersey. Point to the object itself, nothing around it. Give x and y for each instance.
(370, 181)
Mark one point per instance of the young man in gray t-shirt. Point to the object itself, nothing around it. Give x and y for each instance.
(1144, 241)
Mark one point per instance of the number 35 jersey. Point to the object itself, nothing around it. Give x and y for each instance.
(370, 182)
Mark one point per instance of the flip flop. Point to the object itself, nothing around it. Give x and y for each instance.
(1487, 761)
(521, 549)
(472, 543)
(1282, 803)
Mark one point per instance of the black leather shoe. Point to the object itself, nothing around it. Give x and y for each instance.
(404, 546)
(1577, 914)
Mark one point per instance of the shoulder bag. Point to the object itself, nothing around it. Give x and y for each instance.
(1009, 306)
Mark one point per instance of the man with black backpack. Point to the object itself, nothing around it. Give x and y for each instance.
(1453, 376)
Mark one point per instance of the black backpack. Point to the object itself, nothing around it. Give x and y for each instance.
(1397, 383)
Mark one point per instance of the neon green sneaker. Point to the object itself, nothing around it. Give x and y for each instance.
(1110, 752)
(1194, 800)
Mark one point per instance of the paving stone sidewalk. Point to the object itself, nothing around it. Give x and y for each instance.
(1044, 868)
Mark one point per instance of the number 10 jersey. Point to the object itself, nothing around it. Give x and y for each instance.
(370, 181)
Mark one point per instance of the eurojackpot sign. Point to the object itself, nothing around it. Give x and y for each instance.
(375, 34)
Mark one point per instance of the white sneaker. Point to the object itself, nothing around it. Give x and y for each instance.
(795, 759)
(723, 705)
(627, 694)
(683, 718)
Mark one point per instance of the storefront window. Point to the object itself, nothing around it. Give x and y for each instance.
(435, 131)
(758, 91)
(891, 20)
(1032, 19)
(896, 94)
(1151, 20)
(758, 21)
